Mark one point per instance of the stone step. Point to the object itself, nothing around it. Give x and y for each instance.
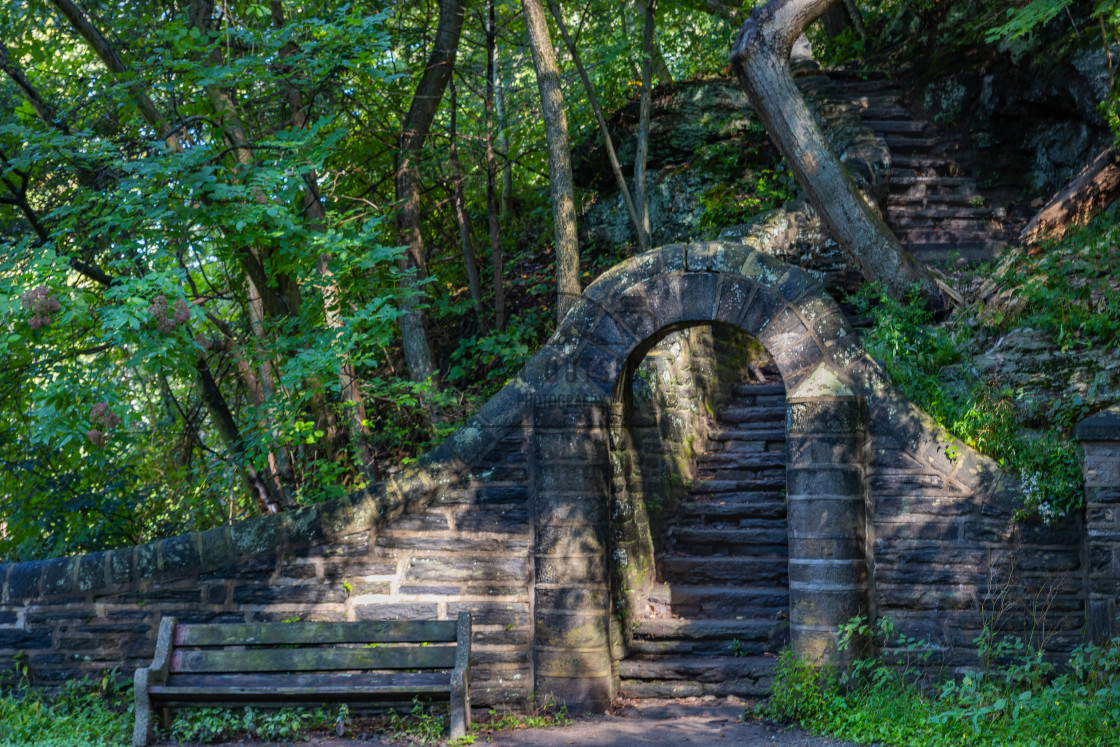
(950, 213)
(864, 102)
(902, 202)
(763, 433)
(967, 254)
(918, 144)
(744, 513)
(723, 487)
(750, 542)
(896, 126)
(768, 414)
(747, 390)
(741, 475)
(949, 237)
(744, 629)
(738, 460)
(940, 181)
(725, 570)
(881, 113)
(698, 669)
(745, 688)
(924, 163)
(722, 601)
(878, 85)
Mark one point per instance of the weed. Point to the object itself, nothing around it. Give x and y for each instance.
(1017, 702)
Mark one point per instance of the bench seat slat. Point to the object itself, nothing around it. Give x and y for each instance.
(310, 681)
(271, 634)
(285, 693)
(313, 659)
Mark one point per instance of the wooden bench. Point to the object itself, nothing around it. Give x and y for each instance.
(300, 663)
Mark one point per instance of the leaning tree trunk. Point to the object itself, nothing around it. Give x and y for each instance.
(760, 57)
(413, 263)
(645, 100)
(559, 157)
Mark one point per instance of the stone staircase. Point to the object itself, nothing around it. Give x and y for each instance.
(936, 208)
(722, 601)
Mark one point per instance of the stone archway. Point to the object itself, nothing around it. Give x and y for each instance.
(618, 316)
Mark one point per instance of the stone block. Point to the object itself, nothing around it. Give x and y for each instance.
(824, 449)
(23, 580)
(578, 570)
(569, 663)
(573, 475)
(510, 615)
(216, 548)
(257, 535)
(825, 548)
(577, 630)
(1104, 426)
(824, 480)
(14, 638)
(716, 256)
(808, 572)
(448, 569)
(180, 554)
(308, 594)
(550, 446)
(583, 694)
(91, 571)
(764, 306)
(553, 540)
(795, 359)
(825, 417)
(735, 296)
(560, 510)
(397, 611)
(823, 608)
(633, 311)
(509, 521)
(798, 284)
(60, 576)
(577, 418)
(566, 598)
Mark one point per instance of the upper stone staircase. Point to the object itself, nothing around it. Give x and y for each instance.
(936, 207)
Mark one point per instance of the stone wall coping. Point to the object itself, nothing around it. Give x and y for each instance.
(1104, 426)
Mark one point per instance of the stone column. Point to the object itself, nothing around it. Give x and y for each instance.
(571, 651)
(826, 518)
(1100, 448)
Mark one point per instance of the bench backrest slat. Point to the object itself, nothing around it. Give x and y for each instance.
(314, 659)
(275, 634)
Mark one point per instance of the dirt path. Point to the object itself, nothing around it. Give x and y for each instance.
(687, 721)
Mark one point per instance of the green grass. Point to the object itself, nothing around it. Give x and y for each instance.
(1021, 703)
(80, 714)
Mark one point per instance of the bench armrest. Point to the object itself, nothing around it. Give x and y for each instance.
(461, 679)
(156, 674)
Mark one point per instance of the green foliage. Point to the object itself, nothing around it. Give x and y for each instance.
(209, 725)
(985, 415)
(82, 713)
(420, 725)
(878, 700)
(729, 204)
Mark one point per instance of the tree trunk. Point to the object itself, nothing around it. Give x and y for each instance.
(493, 96)
(612, 157)
(559, 157)
(413, 263)
(760, 57)
(1091, 191)
(459, 201)
(641, 154)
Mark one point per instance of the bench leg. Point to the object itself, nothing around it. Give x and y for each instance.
(460, 707)
(142, 730)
